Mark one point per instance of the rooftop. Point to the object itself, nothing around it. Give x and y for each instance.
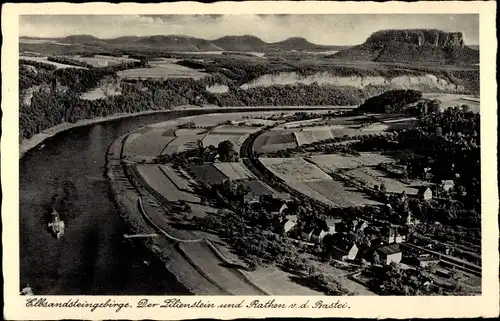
(389, 249)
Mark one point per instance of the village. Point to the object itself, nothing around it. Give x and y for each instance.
(363, 212)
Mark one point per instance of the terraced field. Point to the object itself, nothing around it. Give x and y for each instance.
(234, 170)
(294, 169)
(154, 177)
(150, 143)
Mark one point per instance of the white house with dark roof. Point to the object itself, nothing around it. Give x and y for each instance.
(425, 193)
(290, 223)
(388, 253)
(446, 185)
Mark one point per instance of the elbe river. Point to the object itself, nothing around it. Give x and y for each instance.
(92, 258)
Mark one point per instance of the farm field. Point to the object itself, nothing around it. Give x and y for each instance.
(208, 173)
(373, 177)
(234, 170)
(299, 123)
(179, 181)
(304, 189)
(258, 188)
(182, 143)
(339, 194)
(101, 60)
(332, 162)
(150, 143)
(45, 61)
(295, 169)
(155, 178)
(273, 141)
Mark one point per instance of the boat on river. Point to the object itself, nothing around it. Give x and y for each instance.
(56, 225)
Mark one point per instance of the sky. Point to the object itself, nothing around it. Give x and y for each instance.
(331, 29)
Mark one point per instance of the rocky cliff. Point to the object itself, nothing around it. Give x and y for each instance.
(419, 37)
(413, 46)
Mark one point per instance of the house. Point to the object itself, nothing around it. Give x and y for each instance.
(251, 198)
(424, 193)
(446, 185)
(426, 260)
(306, 233)
(389, 253)
(411, 220)
(317, 235)
(290, 222)
(345, 250)
(390, 235)
(333, 224)
(361, 225)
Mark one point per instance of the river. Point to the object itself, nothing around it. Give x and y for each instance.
(92, 258)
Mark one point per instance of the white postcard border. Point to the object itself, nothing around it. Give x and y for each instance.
(375, 307)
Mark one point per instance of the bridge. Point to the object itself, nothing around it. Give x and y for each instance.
(130, 236)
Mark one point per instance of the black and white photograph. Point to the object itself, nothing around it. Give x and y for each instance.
(250, 155)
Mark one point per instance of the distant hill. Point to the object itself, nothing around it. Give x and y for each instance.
(300, 44)
(245, 43)
(412, 46)
(82, 40)
(240, 43)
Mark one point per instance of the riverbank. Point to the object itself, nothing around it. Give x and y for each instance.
(37, 139)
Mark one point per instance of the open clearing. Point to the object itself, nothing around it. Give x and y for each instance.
(295, 169)
(150, 143)
(154, 177)
(101, 60)
(208, 173)
(162, 69)
(234, 170)
(46, 61)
